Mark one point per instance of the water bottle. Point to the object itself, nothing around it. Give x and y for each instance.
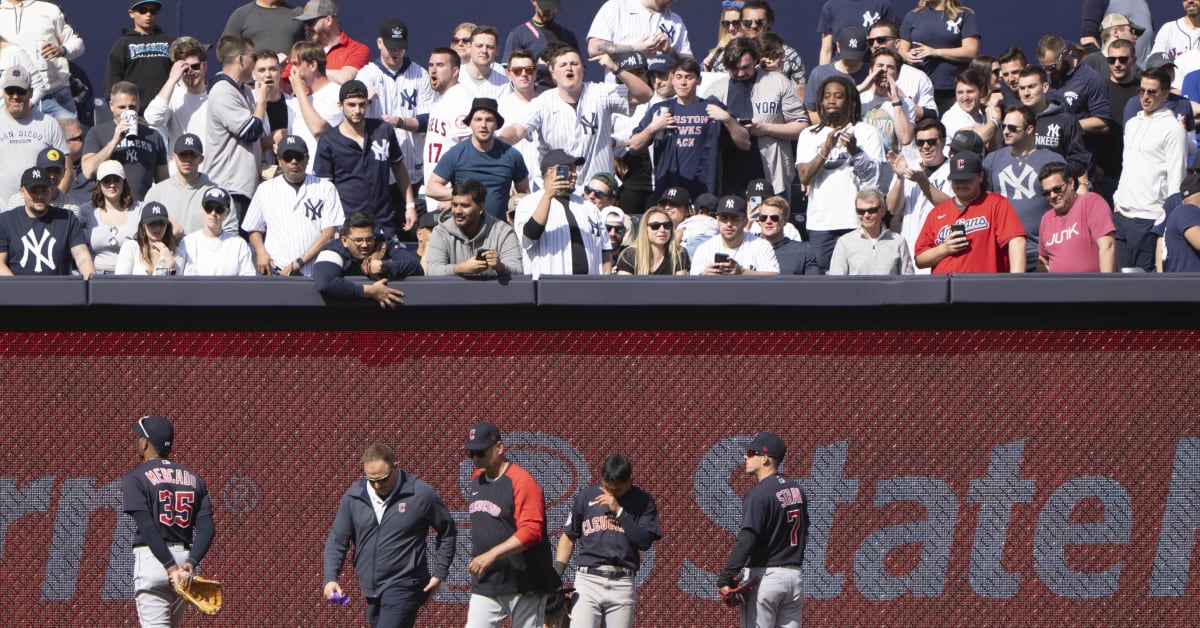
(160, 266)
(662, 111)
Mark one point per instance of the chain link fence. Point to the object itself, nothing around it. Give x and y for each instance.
(979, 478)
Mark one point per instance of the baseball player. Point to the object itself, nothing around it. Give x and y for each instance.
(511, 570)
(388, 513)
(611, 522)
(770, 543)
(174, 520)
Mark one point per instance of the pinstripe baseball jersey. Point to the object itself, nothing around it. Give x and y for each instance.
(551, 253)
(293, 217)
(628, 21)
(447, 125)
(404, 95)
(584, 130)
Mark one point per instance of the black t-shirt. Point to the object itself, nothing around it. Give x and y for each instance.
(140, 155)
(40, 246)
(626, 262)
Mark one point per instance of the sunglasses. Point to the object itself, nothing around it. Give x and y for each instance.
(1011, 128)
(110, 181)
(730, 23)
(769, 218)
(752, 454)
(927, 142)
(371, 480)
(153, 9)
(591, 190)
(15, 91)
(195, 67)
(615, 228)
(882, 40)
(755, 22)
(477, 453)
(868, 210)
(528, 70)
(291, 156)
(1152, 92)
(213, 208)
(1123, 60)
(461, 40)
(657, 226)
(1054, 191)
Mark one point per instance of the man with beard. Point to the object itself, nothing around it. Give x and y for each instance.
(472, 243)
(1013, 173)
(534, 33)
(39, 239)
(497, 166)
(1084, 94)
(1122, 86)
(343, 56)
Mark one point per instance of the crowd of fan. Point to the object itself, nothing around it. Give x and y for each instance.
(904, 149)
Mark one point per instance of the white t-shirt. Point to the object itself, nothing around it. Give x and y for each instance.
(958, 118)
(325, 102)
(494, 85)
(130, 262)
(755, 253)
(292, 219)
(447, 125)
(184, 113)
(831, 195)
(224, 256)
(20, 143)
(585, 130)
(628, 21)
(917, 207)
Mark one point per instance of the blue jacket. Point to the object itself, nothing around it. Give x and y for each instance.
(392, 551)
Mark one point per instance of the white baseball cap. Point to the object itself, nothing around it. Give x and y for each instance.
(110, 168)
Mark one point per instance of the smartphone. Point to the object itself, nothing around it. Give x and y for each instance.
(744, 121)
(720, 258)
(481, 255)
(563, 172)
(753, 204)
(959, 228)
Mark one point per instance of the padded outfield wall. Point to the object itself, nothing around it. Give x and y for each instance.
(979, 474)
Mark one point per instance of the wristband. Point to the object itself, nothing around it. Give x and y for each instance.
(299, 262)
(897, 103)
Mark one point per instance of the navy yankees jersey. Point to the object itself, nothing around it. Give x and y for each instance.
(511, 504)
(776, 511)
(172, 494)
(600, 538)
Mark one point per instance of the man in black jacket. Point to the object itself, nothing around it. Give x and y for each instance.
(141, 55)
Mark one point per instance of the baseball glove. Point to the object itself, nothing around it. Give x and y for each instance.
(203, 593)
(558, 607)
(738, 595)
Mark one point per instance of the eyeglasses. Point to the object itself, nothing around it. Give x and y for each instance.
(730, 23)
(1122, 59)
(528, 70)
(657, 226)
(591, 190)
(213, 208)
(371, 480)
(617, 228)
(1055, 191)
(758, 22)
(882, 40)
(1011, 128)
(291, 156)
(154, 8)
(769, 218)
(15, 91)
(927, 142)
(461, 40)
(360, 241)
(1152, 92)
(868, 210)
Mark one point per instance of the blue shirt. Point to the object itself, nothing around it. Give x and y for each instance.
(497, 170)
(531, 37)
(689, 155)
(361, 174)
(1181, 257)
(1017, 180)
(796, 258)
(838, 15)
(935, 30)
(1085, 94)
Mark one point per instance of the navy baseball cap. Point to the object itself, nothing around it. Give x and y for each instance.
(661, 66)
(968, 140)
(676, 196)
(852, 43)
(34, 177)
(1190, 185)
(153, 212)
(731, 205)
(769, 444)
(188, 143)
(630, 61)
(352, 88)
(291, 144)
(133, 4)
(965, 166)
(706, 203)
(156, 429)
(759, 187)
(428, 220)
(216, 195)
(51, 158)
(481, 436)
(559, 157)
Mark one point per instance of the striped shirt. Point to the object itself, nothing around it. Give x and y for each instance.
(293, 218)
(584, 130)
(404, 94)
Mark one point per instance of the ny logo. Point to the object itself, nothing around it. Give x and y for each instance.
(853, 43)
(36, 174)
(869, 19)
(408, 98)
(590, 125)
(312, 209)
(1018, 186)
(955, 26)
(668, 29)
(188, 141)
(131, 156)
(1052, 132)
(34, 245)
(380, 148)
(730, 203)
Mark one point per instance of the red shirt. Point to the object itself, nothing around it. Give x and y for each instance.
(346, 52)
(991, 223)
(1068, 242)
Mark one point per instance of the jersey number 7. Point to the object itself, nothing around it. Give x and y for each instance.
(176, 507)
(794, 517)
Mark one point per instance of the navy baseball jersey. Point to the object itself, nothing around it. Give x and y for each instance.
(172, 494)
(600, 537)
(776, 511)
(511, 505)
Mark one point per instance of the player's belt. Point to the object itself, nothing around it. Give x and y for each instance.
(186, 546)
(609, 571)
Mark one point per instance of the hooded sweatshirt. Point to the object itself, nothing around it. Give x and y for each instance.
(29, 24)
(449, 246)
(141, 59)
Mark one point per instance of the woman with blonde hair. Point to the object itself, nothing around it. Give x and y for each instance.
(940, 37)
(729, 27)
(655, 252)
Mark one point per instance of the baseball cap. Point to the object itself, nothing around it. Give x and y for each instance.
(706, 203)
(428, 220)
(559, 157)
(759, 187)
(608, 179)
(481, 436)
(852, 43)
(486, 104)
(291, 144)
(968, 140)
(108, 169)
(1190, 185)
(676, 196)
(34, 177)
(611, 212)
(965, 165)
(546, 5)
(216, 195)
(50, 158)
(394, 34)
(1159, 60)
(630, 61)
(156, 429)
(1116, 19)
(731, 205)
(768, 443)
(317, 8)
(153, 212)
(188, 143)
(661, 66)
(352, 88)
(137, 3)
(15, 76)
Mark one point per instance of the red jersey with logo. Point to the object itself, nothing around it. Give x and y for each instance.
(991, 223)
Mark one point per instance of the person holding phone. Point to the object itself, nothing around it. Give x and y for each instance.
(561, 233)
(974, 231)
(734, 252)
(472, 243)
